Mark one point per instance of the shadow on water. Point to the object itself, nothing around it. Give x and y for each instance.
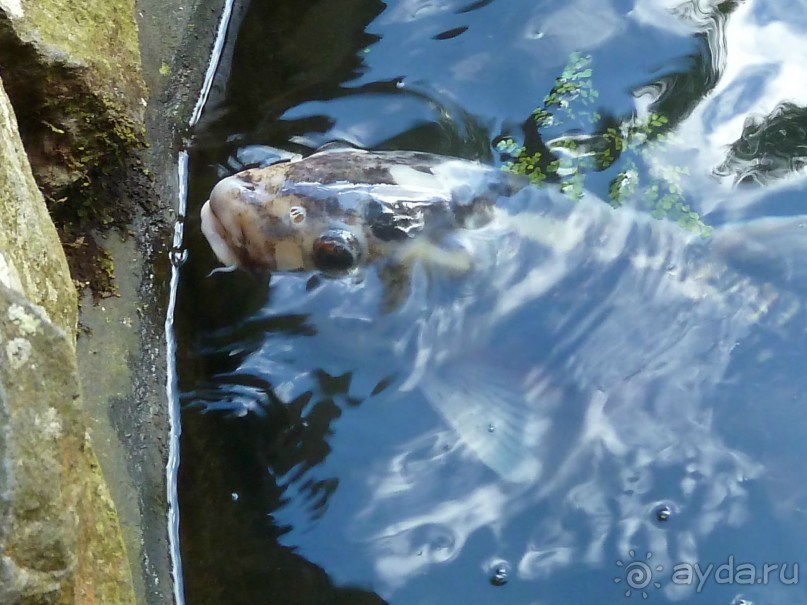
(313, 472)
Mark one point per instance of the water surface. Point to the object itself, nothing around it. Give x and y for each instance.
(314, 472)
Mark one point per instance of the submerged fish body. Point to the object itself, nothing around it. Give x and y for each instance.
(636, 299)
(344, 207)
(577, 353)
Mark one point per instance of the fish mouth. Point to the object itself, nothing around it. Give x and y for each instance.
(217, 236)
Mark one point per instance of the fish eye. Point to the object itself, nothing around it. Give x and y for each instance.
(336, 250)
(297, 214)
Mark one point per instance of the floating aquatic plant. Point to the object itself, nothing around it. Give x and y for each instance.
(568, 159)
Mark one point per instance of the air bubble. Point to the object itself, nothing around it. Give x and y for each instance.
(438, 543)
(443, 542)
(500, 573)
(663, 513)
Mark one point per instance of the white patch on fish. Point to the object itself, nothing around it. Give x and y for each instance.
(410, 178)
(213, 231)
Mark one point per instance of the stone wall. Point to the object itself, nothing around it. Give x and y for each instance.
(59, 535)
(71, 122)
(72, 71)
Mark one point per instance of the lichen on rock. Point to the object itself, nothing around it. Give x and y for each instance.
(59, 536)
(31, 258)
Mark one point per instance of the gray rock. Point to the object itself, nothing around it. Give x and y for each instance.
(39, 404)
(31, 257)
(60, 541)
(59, 537)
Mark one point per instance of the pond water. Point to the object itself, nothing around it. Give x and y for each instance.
(668, 426)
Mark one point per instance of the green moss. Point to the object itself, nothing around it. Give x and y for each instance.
(28, 240)
(94, 141)
(72, 72)
(103, 575)
(100, 35)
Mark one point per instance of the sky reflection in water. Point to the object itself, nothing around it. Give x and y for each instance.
(318, 442)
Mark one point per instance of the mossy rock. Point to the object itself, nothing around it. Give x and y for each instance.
(72, 72)
(31, 259)
(59, 537)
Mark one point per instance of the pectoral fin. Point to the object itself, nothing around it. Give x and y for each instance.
(492, 414)
(441, 256)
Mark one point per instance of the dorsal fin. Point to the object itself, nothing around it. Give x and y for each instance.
(336, 146)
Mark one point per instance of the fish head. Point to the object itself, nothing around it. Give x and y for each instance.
(340, 210)
(256, 220)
